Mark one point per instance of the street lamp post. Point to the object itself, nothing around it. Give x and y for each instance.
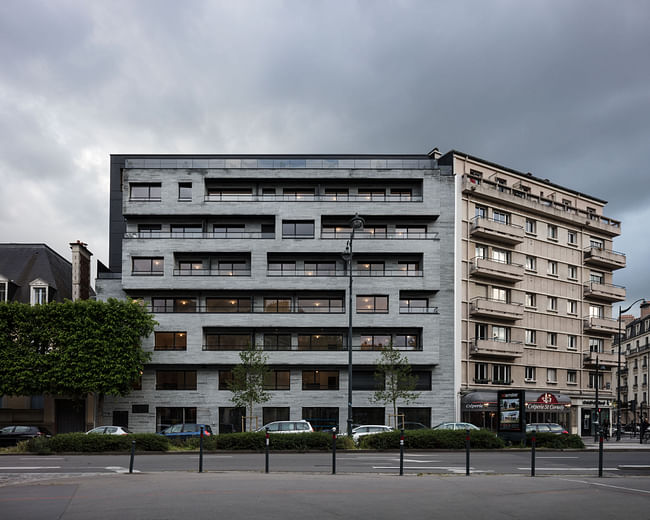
(356, 223)
(618, 370)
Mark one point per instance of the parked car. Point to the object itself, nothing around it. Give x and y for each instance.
(109, 430)
(287, 427)
(12, 435)
(546, 428)
(184, 431)
(408, 425)
(455, 426)
(368, 429)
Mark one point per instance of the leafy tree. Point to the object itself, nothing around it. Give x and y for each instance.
(393, 373)
(72, 348)
(247, 383)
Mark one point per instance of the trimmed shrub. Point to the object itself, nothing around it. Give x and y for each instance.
(80, 442)
(256, 441)
(432, 439)
(554, 441)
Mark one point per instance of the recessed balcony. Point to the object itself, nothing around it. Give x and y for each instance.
(497, 309)
(494, 348)
(497, 230)
(602, 359)
(496, 270)
(604, 291)
(600, 325)
(606, 258)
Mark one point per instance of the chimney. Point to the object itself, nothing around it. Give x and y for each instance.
(80, 271)
(645, 308)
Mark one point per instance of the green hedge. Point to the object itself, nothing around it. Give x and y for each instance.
(432, 439)
(256, 441)
(80, 442)
(554, 441)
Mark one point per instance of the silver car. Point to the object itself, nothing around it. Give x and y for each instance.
(287, 427)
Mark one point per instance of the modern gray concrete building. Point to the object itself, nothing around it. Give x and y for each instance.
(231, 250)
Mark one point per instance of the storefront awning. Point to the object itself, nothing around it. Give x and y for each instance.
(535, 401)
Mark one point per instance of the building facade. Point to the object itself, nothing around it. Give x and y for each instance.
(229, 251)
(535, 290)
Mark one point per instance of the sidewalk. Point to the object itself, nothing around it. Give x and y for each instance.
(626, 443)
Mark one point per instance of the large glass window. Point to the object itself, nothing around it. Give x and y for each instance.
(283, 268)
(375, 341)
(406, 342)
(320, 379)
(242, 304)
(320, 304)
(481, 373)
(277, 341)
(501, 334)
(277, 380)
(186, 230)
(365, 380)
(409, 268)
(320, 342)
(501, 216)
(370, 268)
(372, 304)
(216, 341)
(146, 191)
(411, 231)
(148, 266)
(173, 304)
(228, 230)
(277, 304)
(233, 268)
(413, 305)
(501, 374)
(320, 268)
(170, 340)
(275, 413)
(175, 379)
(185, 191)
(298, 229)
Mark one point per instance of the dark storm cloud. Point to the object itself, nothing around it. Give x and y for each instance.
(561, 89)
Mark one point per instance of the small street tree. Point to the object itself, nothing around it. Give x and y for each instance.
(247, 383)
(393, 373)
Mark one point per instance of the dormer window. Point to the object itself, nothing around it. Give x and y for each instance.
(4, 290)
(38, 292)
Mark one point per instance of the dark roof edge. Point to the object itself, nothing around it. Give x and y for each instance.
(35, 245)
(445, 157)
(265, 155)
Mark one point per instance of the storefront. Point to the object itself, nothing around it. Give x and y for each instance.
(480, 409)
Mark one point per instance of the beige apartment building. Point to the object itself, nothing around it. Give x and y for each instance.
(535, 293)
(635, 347)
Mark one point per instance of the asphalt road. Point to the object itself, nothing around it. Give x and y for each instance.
(565, 463)
(242, 495)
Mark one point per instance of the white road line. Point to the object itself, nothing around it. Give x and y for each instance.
(41, 458)
(120, 469)
(537, 457)
(28, 467)
(567, 469)
(609, 486)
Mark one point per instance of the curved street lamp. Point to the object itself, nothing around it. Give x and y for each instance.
(356, 223)
(618, 370)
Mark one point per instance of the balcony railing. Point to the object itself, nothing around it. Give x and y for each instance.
(497, 230)
(250, 309)
(343, 272)
(604, 359)
(496, 348)
(212, 272)
(418, 310)
(319, 348)
(496, 309)
(604, 291)
(600, 325)
(222, 197)
(604, 257)
(199, 235)
(366, 235)
(496, 269)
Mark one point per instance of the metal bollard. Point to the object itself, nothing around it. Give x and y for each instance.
(600, 454)
(533, 441)
(266, 466)
(467, 452)
(334, 451)
(401, 452)
(201, 451)
(132, 456)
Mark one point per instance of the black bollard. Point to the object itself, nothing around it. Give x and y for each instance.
(600, 454)
(266, 466)
(201, 451)
(467, 452)
(401, 452)
(132, 456)
(533, 441)
(334, 451)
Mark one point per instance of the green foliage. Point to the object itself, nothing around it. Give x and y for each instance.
(554, 441)
(247, 383)
(393, 372)
(80, 442)
(72, 348)
(255, 441)
(432, 439)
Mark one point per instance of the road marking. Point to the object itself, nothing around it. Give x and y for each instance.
(556, 457)
(41, 458)
(29, 467)
(119, 469)
(567, 469)
(609, 486)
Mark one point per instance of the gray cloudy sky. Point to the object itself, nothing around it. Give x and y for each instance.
(558, 88)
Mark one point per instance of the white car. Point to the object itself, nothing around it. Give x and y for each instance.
(287, 427)
(456, 426)
(109, 430)
(369, 429)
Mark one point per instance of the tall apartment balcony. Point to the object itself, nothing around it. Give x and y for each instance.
(496, 270)
(310, 197)
(600, 325)
(380, 273)
(199, 235)
(498, 309)
(517, 196)
(603, 359)
(494, 348)
(605, 258)
(483, 227)
(604, 291)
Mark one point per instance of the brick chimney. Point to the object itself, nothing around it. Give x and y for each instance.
(645, 309)
(80, 271)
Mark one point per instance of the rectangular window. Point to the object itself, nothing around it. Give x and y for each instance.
(297, 229)
(375, 341)
(185, 191)
(277, 341)
(552, 268)
(233, 268)
(320, 268)
(190, 267)
(501, 374)
(423, 379)
(406, 342)
(282, 268)
(365, 380)
(277, 304)
(597, 345)
(481, 251)
(531, 226)
(377, 231)
(175, 379)
(145, 191)
(572, 272)
(3, 291)
(596, 311)
(500, 255)
(277, 380)
(480, 211)
(411, 231)
(572, 342)
(39, 295)
(275, 413)
(228, 304)
(229, 230)
(552, 303)
(400, 193)
(481, 373)
(370, 269)
(551, 375)
(501, 295)
(336, 194)
(372, 194)
(531, 263)
(531, 300)
(551, 339)
(186, 230)
(173, 304)
(481, 331)
(529, 374)
(572, 237)
(225, 379)
(572, 377)
(531, 337)
(409, 268)
(320, 379)
(595, 381)
(149, 230)
(552, 232)
(320, 305)
(170, 340)
(372, 304)
(596, 277)
(320, 342)
(413, 305)
(216, 341)
(148, 266)
(298, 193)
(501, 334)
(597, 243)
(501, 216)
(572, 307)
